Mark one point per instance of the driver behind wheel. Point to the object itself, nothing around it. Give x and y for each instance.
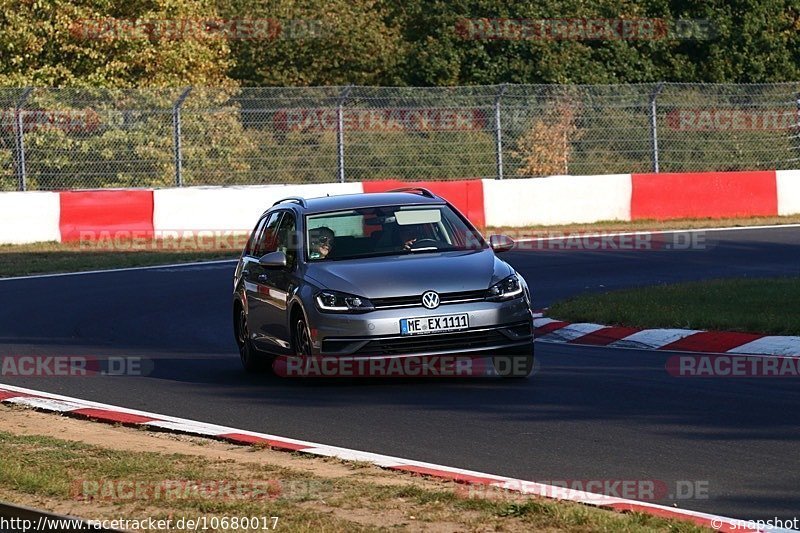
(320, 242)
(409, 235)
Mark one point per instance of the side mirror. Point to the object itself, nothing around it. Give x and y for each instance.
(501, 243)
(273, 260)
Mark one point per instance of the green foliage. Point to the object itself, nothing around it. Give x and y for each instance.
(391, 42)
(747, 41)
(320, 42)
(55, 43)
(216, 146)
(230, 139)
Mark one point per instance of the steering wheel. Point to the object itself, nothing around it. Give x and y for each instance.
(423, 243)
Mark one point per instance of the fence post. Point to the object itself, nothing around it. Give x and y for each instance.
(340, 130)
(797, 124)
(498, 132)
(654, 124)
(176, 136)
(19, 141)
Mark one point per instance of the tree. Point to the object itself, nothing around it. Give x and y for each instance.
(316, 42)
(97, 43)
(715, 41)
(545, 148)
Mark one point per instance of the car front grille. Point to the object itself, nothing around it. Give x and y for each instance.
(443, 342)
(416, 300)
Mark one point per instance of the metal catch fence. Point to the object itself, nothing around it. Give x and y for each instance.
(92, 138)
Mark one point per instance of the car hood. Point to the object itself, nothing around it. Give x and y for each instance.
(406, 275)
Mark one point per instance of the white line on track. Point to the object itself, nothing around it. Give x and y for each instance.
(127, 269)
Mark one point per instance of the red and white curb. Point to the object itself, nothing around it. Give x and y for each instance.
(100, 412)
(683, 340)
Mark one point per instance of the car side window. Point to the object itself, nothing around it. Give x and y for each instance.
(266, 241)
(251, 242)
(287, 238)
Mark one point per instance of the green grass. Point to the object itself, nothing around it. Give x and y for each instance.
(769, 306)
(44, 467)
(53, 257)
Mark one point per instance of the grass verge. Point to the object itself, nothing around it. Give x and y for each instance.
(53, 257)
(643, 225)
(50, 465)
(748, 305)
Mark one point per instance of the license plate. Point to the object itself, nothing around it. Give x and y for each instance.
(433, 324)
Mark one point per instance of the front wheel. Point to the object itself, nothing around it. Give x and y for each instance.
(252, 360)
(302, 339)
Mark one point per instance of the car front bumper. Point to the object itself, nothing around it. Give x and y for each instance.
(494, 327)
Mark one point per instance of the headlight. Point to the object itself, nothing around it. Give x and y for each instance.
(338, 302)
(506, 289)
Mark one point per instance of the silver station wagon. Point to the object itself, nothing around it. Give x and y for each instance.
(379, 275)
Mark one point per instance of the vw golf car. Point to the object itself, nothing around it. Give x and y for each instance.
(378, 275)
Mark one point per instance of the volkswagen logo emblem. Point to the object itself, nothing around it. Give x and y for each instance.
(430, 299)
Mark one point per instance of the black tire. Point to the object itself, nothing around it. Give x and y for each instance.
(301, 345)
(252, 360)
(514, 364)
(301, 338)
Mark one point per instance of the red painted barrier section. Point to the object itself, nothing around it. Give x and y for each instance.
(704, 195)
(466, 196)
(106, 214)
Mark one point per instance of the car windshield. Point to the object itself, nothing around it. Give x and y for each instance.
(390, 230)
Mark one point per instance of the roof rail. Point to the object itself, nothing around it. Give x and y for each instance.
(421, 190)
(299, 199)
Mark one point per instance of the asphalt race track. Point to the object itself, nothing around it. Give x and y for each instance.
(588, 413)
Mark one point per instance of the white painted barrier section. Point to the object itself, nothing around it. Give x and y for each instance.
(27, 217)
(557, 200)
(229, 208)
(788, 192)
